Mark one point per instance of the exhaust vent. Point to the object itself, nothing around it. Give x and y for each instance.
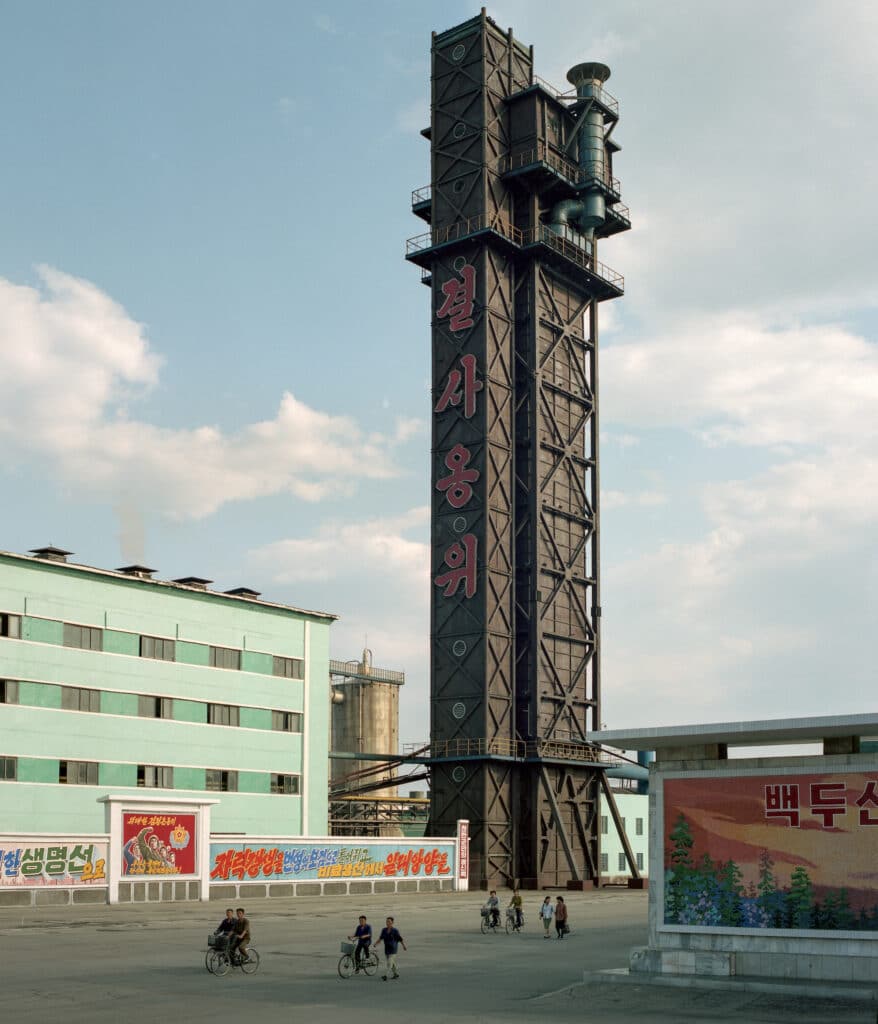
(51, 554)
(193, 581)
(252, 595)
(140, 571)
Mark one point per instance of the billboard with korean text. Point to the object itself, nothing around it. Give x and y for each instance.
(158, 843)
(41, 861)
(326, 861)
(791, 851)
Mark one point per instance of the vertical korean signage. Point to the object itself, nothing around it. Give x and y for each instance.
(460, 388)
(790, 851)
(158, 843)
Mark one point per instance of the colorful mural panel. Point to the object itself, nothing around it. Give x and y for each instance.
(772, 851)
(302, 861)
(33, 861)
(159, 843)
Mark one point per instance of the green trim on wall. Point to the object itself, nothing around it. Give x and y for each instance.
(192, 654)
(189, 778)
(37, 769)
(254, 718)
(42, 631)
(189, 711)
(39, 695)
(254, 782)
(119, 704)
(116, 642)
(117, 775)
(255, 661)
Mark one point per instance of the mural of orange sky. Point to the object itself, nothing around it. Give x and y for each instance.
(728, 820)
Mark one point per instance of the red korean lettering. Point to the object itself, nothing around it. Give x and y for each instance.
(461, 561)
(452, 395)
(827, 801)
(459, 295)
(223, 864)
(868, 796)
(782, 801)
(458, 483)
(273, 862)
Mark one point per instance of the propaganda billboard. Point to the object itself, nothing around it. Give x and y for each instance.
(158, 843)
(41, 861)
(787, 851)
(303, 861)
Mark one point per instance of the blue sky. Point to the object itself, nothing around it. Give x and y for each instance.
(215, 359)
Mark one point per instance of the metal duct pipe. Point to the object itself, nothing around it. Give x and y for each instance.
(589, 79)
(628, 771)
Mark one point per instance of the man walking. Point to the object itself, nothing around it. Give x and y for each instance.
(392, 939)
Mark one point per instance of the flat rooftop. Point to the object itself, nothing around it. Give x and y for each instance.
(767, 732)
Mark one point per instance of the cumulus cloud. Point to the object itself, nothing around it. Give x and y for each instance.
(73, 362)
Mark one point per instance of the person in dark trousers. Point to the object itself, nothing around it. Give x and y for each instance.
(242, 935)
(225, 930)
(392, 939)
(561, 917)
(363, 936)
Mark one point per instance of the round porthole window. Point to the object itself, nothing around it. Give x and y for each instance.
(459, 130)
(458, 774)
(459, 263)
(459, 52)
(458, 649)
(459, 525)
(459, 185)
(458, 710)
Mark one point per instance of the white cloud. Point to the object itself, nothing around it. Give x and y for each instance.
(376, 548)
(72, 362)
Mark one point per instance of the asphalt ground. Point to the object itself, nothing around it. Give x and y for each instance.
(142, 963)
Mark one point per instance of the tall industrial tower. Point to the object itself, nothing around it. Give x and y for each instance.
(522, 189)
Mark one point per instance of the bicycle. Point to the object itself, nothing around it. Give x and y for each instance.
(490, 921)
(513, 925)
(347, 963)
(219, 960)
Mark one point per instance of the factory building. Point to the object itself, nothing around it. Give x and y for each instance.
(116, 683)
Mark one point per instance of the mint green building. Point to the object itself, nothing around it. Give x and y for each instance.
(112, 682)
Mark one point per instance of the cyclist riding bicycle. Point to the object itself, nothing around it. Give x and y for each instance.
(242, 935)
(515, 903)
(363, 935)
(226, 930)
(493, 905)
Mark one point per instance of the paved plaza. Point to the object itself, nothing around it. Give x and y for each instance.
(135, 964)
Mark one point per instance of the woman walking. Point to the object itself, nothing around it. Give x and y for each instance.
(561, 917)
(546, 912)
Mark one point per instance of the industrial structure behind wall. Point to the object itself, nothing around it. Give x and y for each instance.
(365, 720)
(522, 190)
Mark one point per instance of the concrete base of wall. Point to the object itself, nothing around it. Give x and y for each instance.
(179, 892)
(231, 892)
(786, 966)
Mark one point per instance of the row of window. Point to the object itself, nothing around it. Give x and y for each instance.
(76, 698)
(152, 776)
(623, 862)
(91, 638)
(605, 825)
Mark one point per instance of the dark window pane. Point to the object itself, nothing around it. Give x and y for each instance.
(9, 768)
(288, 668)
(8, 691)
(10, 626)
(86, 637)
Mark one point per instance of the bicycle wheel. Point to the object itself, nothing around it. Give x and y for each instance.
(346, 966)
(251, 964)
(485, 926)
(220, 964)
(510, 925)
(370, 963)
(207, 958)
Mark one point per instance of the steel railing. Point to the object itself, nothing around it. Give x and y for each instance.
(577, 174)
(600, 94)
(422, 195)
(542, 233)
(519, 750)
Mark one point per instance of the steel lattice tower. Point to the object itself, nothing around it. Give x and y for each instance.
(521, 191)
